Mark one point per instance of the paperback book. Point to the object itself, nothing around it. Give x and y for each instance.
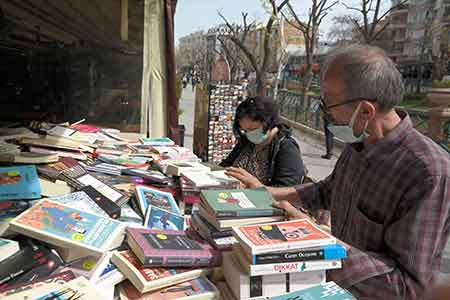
(8, 248)
(176, 169)
(81, 201)
(110, 207)
(157, 218)
(151, 279)
(281, 236)
(161, 141)
(19, 182)
(89, 267)
(170, 248)
(147, 196)
(67, 227)
(79, 288)
(324, 291)
(148, 175)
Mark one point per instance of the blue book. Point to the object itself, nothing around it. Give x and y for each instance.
(157, 218)
(19, 182)
(147, 196)
(323, 291)
(328, 252)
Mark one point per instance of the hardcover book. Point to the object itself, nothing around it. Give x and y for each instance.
(170, 248)
(8, 248)
(19, 182)
(36, 287)
(280, 236)
(150, 279)
(67, 227)
(239, 203)
(197, 289)
(157, 218)
(245, 286)
(147, 196)
(324, 291)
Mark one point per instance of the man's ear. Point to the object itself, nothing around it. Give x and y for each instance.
(368, 110)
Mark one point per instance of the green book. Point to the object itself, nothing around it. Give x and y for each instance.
(239, 203)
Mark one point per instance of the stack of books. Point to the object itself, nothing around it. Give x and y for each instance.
(277, 258)
(220, 210)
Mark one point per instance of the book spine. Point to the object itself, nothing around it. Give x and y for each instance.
(260, 270)
(324, 253)
(248, 213)
(293, 246)
(182, 261)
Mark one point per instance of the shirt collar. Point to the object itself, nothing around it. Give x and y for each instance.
(393, 137)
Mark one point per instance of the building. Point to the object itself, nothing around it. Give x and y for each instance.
(191, 51)
(398, 26)
(419, 14)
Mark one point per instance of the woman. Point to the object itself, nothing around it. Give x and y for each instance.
(266, 153)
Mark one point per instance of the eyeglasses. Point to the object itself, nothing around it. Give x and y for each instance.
(326, 109)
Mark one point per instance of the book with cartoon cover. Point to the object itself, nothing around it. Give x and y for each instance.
(19, 182)
(279, 236)
(147, 196)
(67, 227)
(157, 218)
(324, 291)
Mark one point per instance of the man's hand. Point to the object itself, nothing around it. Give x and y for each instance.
(247, 179)
(291, 211)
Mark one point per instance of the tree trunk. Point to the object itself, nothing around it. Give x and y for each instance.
(261, 89)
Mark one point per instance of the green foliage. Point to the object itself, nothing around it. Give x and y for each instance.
(441, 84)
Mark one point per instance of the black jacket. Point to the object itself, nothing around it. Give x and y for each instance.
(286, 167)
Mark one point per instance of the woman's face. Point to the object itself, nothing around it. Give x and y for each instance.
(247, 124)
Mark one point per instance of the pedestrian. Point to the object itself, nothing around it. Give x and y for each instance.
(194, 82)
(329, 140)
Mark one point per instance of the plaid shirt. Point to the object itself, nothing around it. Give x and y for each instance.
(390, 202)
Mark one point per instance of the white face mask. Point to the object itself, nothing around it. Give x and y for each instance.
(256, 136)
(345, 132)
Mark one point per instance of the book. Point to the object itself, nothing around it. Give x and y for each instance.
(327, 252)
(324, 291)
(171, 248)
(61, 131)
(89, 267)
(16, 133)
(157, 218)
(19, 182)
(245, 286)
(67, 227)
(8, 211)
(280, 236)
(81, 201)
(125, 161)
(111, 208)
(151, 279)
(148, 175)
(113, 149)
(176, 169)
(36, 287)
(162, 164)
(148, 196)
(56, 143)
(106, 190)
(239, 203)
(106, 168)
(59, 152)
(28, 158)
(130, 217)
(8, 248)
(204, 226)
(27, 258)
(54, 189)
(79, 288)
(205, 180)
(196, 289)
(161, 141)
(223, 224)
(174, 152)
(221, 242)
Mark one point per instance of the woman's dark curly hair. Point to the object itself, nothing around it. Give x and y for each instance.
(262, 109)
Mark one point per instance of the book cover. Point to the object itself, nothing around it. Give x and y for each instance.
(130, 217)
(111, 208)
(202, 179)
(279, 236)
(89, 267)
(28, 158)
(60, 153)
(82, 201)
(68, 227)
(103, 167)
(148, 196)
(327, 252)
(19, 182)
(161, 141)
(108, 191)
(170, 248)
(245, 286)
(148, 175)
(199, 288)
(129, 162)
(79, 288)
(324, 291)
(8, 248)
(177, 168)
(157, 218)
(150, 279)
(239, 203)
(54, 189)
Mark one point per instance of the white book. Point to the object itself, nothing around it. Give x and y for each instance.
(79, 288)
(245, 286)
(8, 248)
(176, 169)
(209, 179)
(67, 227)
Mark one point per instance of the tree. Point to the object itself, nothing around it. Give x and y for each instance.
(343, 29)
(258, 64)
(369, 18)
(310, 30)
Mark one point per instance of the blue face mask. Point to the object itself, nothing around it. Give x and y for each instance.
(256, 136)
(345, 132)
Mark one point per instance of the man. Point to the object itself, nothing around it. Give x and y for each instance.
(328, 140)
(389, 194)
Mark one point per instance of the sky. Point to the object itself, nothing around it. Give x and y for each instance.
(194, 15)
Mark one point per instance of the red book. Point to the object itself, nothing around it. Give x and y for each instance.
(171, 248)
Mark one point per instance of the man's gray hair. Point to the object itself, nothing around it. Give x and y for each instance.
(367, 73)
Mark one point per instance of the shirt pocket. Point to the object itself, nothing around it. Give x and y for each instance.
(365, 233)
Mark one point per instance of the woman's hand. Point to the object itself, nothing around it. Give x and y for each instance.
(291, 211)
(247, 179)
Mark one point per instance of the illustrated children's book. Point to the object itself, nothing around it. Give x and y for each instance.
(157, 218)
(19, 182)
(67, 227)
(279, 236)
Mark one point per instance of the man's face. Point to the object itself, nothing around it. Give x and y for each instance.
(333, 93)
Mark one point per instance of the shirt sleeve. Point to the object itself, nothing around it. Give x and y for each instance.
(314, 196)
(413, 245)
